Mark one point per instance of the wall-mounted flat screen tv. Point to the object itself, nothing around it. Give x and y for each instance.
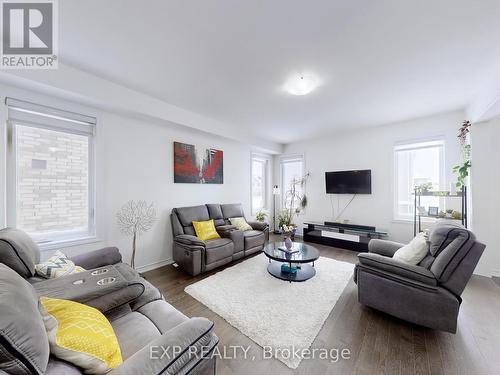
(349, 182)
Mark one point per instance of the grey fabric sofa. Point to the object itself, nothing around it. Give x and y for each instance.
(143, 321)
(196, 256)
(426, 294)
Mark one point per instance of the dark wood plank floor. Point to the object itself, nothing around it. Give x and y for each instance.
(379, 343)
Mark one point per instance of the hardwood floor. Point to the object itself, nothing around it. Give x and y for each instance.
(378, 343)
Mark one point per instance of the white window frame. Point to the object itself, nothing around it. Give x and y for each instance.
(266, 183)
(416, 145)
(43, 117)
(288, 159)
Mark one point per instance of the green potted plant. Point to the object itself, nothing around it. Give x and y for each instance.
(261, 216)
(424, 188)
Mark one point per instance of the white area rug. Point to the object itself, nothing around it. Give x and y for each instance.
(272, 312)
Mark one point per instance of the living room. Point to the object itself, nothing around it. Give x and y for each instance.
(250, 188)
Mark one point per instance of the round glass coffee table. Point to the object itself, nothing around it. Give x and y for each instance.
(291, 266)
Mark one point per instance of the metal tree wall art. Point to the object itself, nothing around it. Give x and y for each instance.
(134, 219)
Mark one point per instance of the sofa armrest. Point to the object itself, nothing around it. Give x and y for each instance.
(384, 247)
(257, 225)
(397, 267)
(189, 341)
(98, 258)
(222, 229)
(187, 239)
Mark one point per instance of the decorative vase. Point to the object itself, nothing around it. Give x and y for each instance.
(288, 243)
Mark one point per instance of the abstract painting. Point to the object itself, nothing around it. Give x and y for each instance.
(198, 165)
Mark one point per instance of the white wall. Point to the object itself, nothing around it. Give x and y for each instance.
(70, 83)
(485, 182)
(138, 162)
(371, 148)
(135, 161)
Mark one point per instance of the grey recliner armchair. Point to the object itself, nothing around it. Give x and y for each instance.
(426, 294)
(196, 256)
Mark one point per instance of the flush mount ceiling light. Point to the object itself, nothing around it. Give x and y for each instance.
(301, 84)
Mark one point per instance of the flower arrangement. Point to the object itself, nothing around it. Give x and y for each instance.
(289, 231)
(295, 202)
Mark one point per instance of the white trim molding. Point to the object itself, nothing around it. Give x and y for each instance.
(154, 265)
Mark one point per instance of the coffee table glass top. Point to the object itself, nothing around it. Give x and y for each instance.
(305, 254)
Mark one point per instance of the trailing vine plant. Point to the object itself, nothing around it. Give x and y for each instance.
(462, 170)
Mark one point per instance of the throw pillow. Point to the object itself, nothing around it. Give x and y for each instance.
(56, 266)
(240, 223)
(205, 230)
(414, 252)
(81, 335)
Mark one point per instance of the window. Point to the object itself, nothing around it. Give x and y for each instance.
(292, 168)
(416, 164)
(51, 172)
(260, 173)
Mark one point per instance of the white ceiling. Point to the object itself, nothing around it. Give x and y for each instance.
(377, 61)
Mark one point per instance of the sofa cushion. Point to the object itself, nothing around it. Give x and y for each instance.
(442, 233)
(175, 352)
(413, 252)
(163, 315)
(215, 212)
(24, 347)
(427, 261)
(18, 251)
(253, 238)
(177, 228)
(219, 249)
(240, 223)
(81, 335)
(232, 210)
(56, 266)
(451, 253)
(187, 215)
(205, 230)
(134, 331)
(58, 367)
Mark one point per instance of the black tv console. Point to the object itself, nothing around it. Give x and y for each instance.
(346, 236)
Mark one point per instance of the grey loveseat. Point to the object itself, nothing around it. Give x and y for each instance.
(427, 294)
(143, 321)
(196, 256)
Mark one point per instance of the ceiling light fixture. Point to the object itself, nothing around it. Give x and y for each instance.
(301, 84)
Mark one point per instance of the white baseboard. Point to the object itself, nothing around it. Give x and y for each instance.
(152, 266)
(495, 273)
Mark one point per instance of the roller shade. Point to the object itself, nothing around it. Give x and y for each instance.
(49, 117)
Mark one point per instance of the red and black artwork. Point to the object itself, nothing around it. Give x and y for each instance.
(197, 165)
